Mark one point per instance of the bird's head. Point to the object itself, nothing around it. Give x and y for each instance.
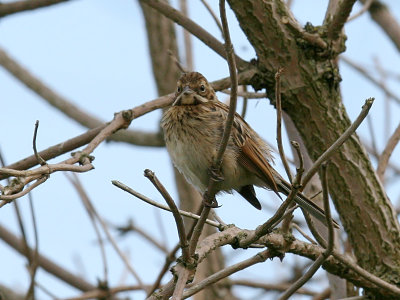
(193, 89)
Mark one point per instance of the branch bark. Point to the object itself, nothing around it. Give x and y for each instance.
(311, 97)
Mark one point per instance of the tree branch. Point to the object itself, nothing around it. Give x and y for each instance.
(20, 6)
(193, 28)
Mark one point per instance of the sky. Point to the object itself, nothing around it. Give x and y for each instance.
(94, 53)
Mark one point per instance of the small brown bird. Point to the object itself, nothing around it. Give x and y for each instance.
(193, 127)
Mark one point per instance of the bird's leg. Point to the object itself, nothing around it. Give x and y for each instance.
(210, 202)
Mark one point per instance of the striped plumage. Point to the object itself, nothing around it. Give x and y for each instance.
(193, 127)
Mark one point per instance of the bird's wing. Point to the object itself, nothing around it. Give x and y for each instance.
(250, 156)
(253, 160)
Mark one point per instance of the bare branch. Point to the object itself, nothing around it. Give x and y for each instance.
(209, 196)
(20, 6)
(269, 286)
(114, 244)
(193, 28)
(74, 180)
(338, 19)
(83, 139)
(245, 94)
(258, 258)
(365, 73)
(366, 6)
(156, 204)
(49, 266)
(386, 20)
(387, 152)
(187, 38)
(69, 109)
(175, 212)
(40, 160)
(131, 227)
(316, 264)
(279, 123)
(213, 15)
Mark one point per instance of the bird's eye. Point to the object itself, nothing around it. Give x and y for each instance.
(179, 89)
(202, 88)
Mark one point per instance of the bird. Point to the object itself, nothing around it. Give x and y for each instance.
(193, 127)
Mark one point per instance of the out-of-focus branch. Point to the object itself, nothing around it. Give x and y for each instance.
(193, 28)
(213, 15)
(187, 38)
(45, 263)
(323, 256)
(384, 18)
(258, 258)
(366, 74)
(82, 193)
(20, 6)
(366, 6)
(281, 287)
(71, 110)
(387, 152)
(371, 150)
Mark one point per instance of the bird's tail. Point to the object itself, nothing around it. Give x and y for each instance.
(305, 203)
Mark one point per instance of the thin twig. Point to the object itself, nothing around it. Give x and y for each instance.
(279, 123)
(131, 227)
(74, 180)
(245, 101)
(170, 258)
(175, 212)
(156, 204)
(258, 258)
(8, 198)
(112, 240)
(268, 286)
(366, 74)
(40, 160)
(245, 94)
(301, 231)
(45, 263)
(228, 126)
(213, 15)
(187, 38)
(387, 152)
(361, 11)
(33, 265)
(372, 133)
(320, 260)
(177, 62)
(339, 142)
(265, 228)
(193, 28)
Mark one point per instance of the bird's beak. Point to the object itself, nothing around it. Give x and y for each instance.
(186, 92)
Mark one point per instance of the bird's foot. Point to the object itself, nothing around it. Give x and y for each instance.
(216, 174)
(210, 202)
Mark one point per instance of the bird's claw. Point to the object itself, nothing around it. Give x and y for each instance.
(216, 175)
(212, 203)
